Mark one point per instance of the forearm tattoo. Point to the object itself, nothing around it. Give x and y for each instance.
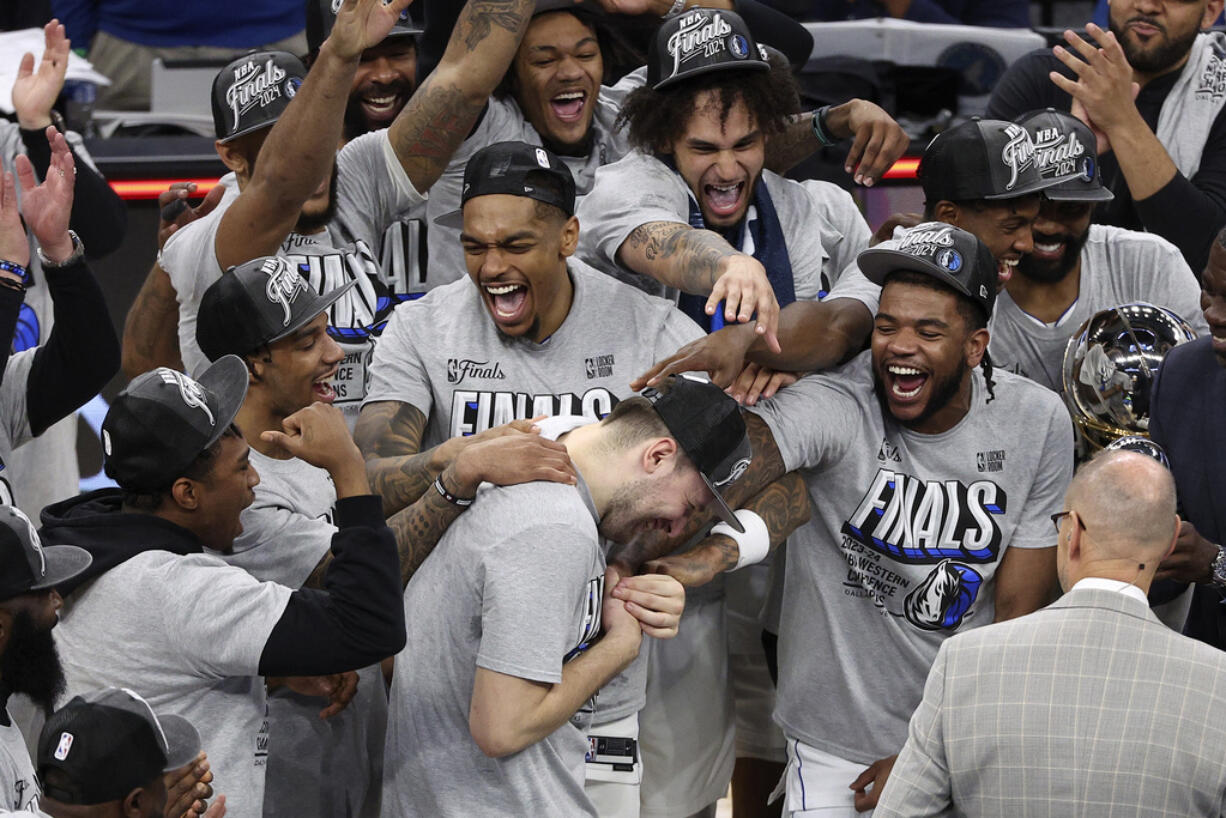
(480, 16)
(419, 528)
(688, 258)
(389, 433)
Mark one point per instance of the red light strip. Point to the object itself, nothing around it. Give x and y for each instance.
(131, 190)
(904, 168)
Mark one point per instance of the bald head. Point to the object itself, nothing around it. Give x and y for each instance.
(1126, 502)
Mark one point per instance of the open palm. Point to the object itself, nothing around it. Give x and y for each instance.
(47, 207)
(34, 92)
(361, 24)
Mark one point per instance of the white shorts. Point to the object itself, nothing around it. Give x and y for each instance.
(817, 784)
(686, 726)
(614, 792)
(757, 735)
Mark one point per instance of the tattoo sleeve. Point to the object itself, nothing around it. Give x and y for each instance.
(783, 506)
(445, 108)
(389, 433)
(417, 529)
(676, 254)
(787, 149)
(150, 332)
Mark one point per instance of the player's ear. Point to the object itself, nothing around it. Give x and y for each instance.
(658, 452)
(570, 236)
(975, 347)
(946, 211)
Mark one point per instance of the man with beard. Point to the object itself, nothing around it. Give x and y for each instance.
(552, 96)
(1163, 148)
(1077, 268)
(979, 176)
(29, 664)
(932, 484)
(327, 212)
(693, 208)
(518, 622)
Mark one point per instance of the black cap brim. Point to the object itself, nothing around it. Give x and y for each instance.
(321, 304)
(452, 221)
(725, 474)
(741, 65)
(227, 379)
(1100, 194)
(63, 562)
(880, 262)
(182, 741)
(1025, 190)
(722, 509)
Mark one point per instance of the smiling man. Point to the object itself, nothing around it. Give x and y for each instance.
(693, 208)
(1163, 149)
(1077, 268)
(931, 483)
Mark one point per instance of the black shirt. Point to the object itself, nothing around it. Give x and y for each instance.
(1187, 213)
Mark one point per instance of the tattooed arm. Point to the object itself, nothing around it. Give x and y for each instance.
(151, 330)
(701, 262)
(444, 109)
(300, 150)
(878, 140)
(504, 460)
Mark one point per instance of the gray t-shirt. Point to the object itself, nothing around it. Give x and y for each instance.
(316, 767)
(444, 355)
(1117, 266)
(821, 223)
(14, 428)
(372, 192)
(514, 586)
(18, 785)
(185, 632)
(501, 121)
(907, 533)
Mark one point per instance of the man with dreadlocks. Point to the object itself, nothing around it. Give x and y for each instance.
(931, 485)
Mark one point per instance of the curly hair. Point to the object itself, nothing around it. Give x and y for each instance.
(657, 119)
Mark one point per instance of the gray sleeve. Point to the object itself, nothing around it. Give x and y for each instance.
(852, 284)
(219, 616)
(16, 415)
(811, 420)
(1179, 288)
(625, 195)
(190, 260)
(919, 784)
(529, 598)
(839, 210)
(618, 92)
(1055, 470)
(397, 371)
(279, 544)
(372, 188)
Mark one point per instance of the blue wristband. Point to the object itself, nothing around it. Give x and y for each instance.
(14, 267)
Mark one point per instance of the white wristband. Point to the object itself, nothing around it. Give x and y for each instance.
(754, 544)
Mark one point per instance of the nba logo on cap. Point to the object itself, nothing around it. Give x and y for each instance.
(542, 158)
(61, 749)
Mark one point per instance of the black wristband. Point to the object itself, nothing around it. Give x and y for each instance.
(463, 502)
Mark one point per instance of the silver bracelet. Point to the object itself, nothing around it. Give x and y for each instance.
(1217, 575)
(78, 251)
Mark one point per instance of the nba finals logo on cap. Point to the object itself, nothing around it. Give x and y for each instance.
(191, 392)
(254, 86)
(1017, 154)
(1056, 153)
(284, 285)
(701, 36)
(928, 241)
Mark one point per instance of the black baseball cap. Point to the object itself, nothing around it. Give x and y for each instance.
(980, 159)
(515, 169)
(253, 91)
(258, 302)
(108, 743)
(164, 419)
(26, 565)
(947, 253)
(708, 426)
(321, 16)
(1066, 152)
(700, 41)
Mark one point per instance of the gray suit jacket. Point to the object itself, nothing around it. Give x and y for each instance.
(1089, 707)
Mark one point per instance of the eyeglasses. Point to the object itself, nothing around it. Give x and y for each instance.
(1060, 515)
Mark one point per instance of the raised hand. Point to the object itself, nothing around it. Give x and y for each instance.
(14, 246)
(877, 140)
(174, 212)
(47, 207)
(34, 92)
(361, 24)
(338, 688)
(319, 435)
(188, 788)
(1103, 91)
(721, 355)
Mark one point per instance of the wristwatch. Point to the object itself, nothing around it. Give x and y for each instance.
(1217, 576)
(78, 251)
